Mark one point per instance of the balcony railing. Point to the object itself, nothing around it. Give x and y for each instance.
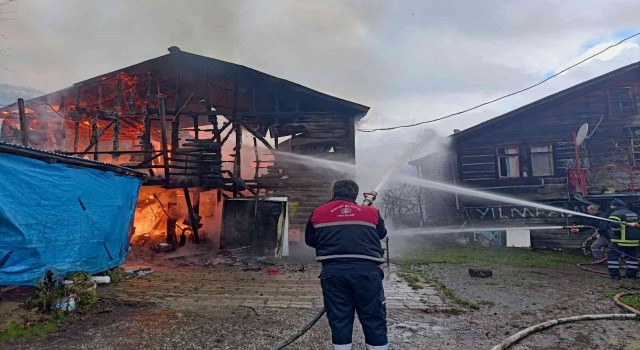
(606, 179)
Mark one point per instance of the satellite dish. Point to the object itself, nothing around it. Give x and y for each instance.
(582, 134)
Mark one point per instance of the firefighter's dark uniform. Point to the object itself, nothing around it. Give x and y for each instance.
(347, 241)
(624, 240)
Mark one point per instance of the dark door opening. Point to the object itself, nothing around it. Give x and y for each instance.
(258, 229)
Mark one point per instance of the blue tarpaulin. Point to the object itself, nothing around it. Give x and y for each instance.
(62, 218)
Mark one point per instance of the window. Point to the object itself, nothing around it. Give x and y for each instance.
(620, 101)
(542, 160)
(508, 161)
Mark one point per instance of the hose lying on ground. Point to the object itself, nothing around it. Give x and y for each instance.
(581, 265)
(301, 332)
(617, 297)
(544, 325)
(540, 326)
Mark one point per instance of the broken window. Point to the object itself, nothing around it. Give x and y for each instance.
(508, 161)
(620, 101)
(542, 160)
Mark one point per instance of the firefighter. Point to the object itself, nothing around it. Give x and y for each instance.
(624, 240)
(600, 238)
(347, 237)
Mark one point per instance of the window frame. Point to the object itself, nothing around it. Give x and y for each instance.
(619, 108)
(549, 152)
(516, 156)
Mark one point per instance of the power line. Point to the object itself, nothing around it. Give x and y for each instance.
(502, 97)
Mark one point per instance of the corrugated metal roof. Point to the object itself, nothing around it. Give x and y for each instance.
(41, 154)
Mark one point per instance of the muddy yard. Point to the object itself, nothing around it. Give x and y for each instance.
(436, 305)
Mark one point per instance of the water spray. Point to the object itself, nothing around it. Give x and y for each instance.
(439, 186)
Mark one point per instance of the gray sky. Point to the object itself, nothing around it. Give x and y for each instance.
(408, 60)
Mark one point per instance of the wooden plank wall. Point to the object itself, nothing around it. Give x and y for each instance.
(309, 185)
(555, 125)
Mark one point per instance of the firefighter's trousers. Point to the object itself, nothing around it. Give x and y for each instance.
(629, 256)
(355, 287)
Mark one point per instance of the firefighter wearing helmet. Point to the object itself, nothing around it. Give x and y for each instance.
(624, 240)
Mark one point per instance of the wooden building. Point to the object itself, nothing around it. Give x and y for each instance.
(193, 125)
(531, 153)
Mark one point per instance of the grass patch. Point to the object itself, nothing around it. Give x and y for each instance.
(608, 295)
(456, 310)
(117, 275)
(527, 312)
(38, 329)
(492, 257)
(631, 300)
(487, 303)
(412, 279)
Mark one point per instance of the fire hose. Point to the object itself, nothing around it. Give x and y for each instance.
(634, 315)
(507, 343)
(369, 198)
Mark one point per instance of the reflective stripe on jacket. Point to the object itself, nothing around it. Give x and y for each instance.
(619, 233)
(342, 229)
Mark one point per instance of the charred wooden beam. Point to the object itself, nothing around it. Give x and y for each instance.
(110, 152)
(196, 205)
(255, 149)
(213, 119)
(171, 230)
(146, 135)
(61, 104)
(76, 121)
(24, 137)
(76, 134)
(193, 220)
(195, 126)
(147, 102)
(175, 135)
(224, 127)
(149, 160)
(116, 125)
(163, 130)
(258, 136)
(95, 138)
(237, 170)
(226, 137)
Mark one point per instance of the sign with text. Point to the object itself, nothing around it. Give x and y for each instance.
(519, 212)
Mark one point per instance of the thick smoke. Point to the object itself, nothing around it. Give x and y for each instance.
(409, 61)
(10, 93)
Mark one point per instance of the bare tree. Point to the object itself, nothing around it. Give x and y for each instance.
(403, 204)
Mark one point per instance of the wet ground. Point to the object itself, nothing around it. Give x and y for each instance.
(220, 307)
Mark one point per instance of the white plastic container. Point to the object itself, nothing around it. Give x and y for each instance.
(101, 279)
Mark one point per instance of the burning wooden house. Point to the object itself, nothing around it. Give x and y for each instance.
(578, 147)
(211, 137)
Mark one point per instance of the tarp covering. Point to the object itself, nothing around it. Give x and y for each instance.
(61, 218)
